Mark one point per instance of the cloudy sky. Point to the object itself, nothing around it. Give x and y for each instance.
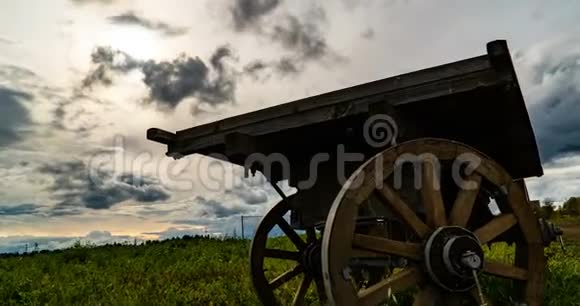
(82, 80)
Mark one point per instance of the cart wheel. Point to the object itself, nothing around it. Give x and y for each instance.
(303, 261)
(452, 226)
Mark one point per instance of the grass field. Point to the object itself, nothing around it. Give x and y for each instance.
(199, 271)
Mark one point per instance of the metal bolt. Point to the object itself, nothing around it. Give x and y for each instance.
(346, 273)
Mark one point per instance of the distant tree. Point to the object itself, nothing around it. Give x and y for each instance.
(571, 207)
(547, 209)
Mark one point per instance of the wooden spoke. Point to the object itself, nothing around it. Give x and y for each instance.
(431, 194)
(387, 246)
(320, 289)
(495, 227)
(310, 234)
(291, 234)
(282, 254)
(390, 198)
(286, 276)
(425, 297)
(464, 202)
(380, 291)
(361, 253)
(505, 270)
(299, 296)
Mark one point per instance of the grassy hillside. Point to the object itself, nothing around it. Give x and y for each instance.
(195, 271)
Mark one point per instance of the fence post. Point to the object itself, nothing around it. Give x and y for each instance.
(243, 227)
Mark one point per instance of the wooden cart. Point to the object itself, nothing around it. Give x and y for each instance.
(413, 176)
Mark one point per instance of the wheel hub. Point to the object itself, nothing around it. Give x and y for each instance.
(451, 255)
(312, 259)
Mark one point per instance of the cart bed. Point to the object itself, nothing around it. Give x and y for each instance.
(476, 101)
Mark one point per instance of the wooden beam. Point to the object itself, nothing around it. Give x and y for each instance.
(239, 144)
(161, 136)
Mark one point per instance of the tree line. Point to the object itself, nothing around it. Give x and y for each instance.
(570, 208)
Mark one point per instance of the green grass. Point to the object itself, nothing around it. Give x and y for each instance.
(200, 271)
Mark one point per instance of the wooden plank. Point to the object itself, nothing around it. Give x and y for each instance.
(189, 142)
(411, 79)
(161, 136)
(387, 246)
(238, 143)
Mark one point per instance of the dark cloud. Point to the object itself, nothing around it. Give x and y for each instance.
(20, 209)
(6, 41)
(555, 115)
(212, 208)
(14, 117)
(262, 70)
(368, 34)
(169, 82)
(75, 186)
(247, 13)
(109, 62)
(132, 18)
(252, 191)
(300, 36)
(103, 2)
(12, 73)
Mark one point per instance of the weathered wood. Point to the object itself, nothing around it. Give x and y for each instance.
(291, 234)
(536, 267)
(431, 194)
(379, 292)
(387, 246)
(282, 254)
(505, 270)
(527, 221)
(495, 227)
(302, 289)
(286, 276)
(464, 202)
(408, 80)
(238, 143)
(309, 116)
(403, 210)
(161, 136)
(340, 243)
